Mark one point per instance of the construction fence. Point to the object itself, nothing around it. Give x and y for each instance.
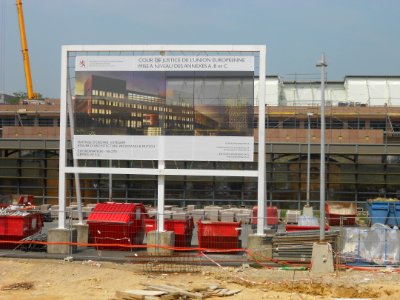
(128, 231)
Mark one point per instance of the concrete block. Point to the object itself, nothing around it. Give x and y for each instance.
(82, 233)
(190, 207)
(68, 211)
(322, 258)
(61, 235)
(45, 207)
(86, 211)
(211, 214)
(165, 238)
(246, 211)
(308, 211)
(244, 218)
(227, 206)
(212, 207)
(227, 216)
(260, 247)
(179, 216)
(177, 209)
(167, 214)
(292, 216)
(54, 211)
(74, 214)
(245, 231)
(152, 213)
(198, 214)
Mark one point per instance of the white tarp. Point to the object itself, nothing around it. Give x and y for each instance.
(378, 244)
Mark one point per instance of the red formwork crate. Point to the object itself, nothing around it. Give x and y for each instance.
(16, 228)
(272, 216)
(341, 213)
(25, 202)
(117, 223)
(218, 235)
(183, 229)
(291, 228)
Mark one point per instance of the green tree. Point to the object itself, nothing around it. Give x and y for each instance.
(21, 96)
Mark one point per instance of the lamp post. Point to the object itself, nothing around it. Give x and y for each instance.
(322, 255)
(322, 64)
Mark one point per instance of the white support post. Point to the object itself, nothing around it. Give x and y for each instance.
(75, 161)
(161, 197)
(63, 131)
(110, 183)
(262, 189)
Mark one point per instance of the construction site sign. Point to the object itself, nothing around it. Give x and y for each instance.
(173, 107)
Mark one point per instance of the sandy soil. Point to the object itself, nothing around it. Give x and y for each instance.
(59, 279)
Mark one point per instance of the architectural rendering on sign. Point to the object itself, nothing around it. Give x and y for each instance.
(164, 96)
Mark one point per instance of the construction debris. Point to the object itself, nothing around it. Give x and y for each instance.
(297, 246)
(170, 292)
(27, 285)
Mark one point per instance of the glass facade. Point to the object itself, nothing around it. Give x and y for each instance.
(350, 177)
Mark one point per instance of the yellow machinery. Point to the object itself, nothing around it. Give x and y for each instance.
(25, 55)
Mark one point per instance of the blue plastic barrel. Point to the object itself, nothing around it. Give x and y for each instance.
(384, 212)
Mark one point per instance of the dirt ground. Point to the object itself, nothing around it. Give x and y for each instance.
(59, 279)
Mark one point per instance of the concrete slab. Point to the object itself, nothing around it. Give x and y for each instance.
(260, 247)
(82, 233)
(322, 258)
(165, 238)
(308, 211)
(56, 235)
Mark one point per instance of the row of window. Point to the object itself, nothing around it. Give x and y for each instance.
(101, 111)
(45, 122)
(137, 106)
(146, 98)
(330, 124)
(270, 123)
(108, 94)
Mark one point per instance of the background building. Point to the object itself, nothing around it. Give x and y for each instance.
(362, 133)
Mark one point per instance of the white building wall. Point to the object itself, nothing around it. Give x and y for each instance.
(353, 91)
(272, 91)
(309, 93)
(373, 90)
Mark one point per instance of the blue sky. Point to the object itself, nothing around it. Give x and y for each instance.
(359, 37)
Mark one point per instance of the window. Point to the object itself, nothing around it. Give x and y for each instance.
(28, 122)
(356, 124)
(47, 122)
(292, 123)
(378, 125)
(334, 124)
(271, 123)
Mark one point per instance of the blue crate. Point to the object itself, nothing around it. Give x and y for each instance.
(384, 212)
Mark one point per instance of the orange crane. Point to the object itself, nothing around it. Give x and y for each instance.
(25, 54)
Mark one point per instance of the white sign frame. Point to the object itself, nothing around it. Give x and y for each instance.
(161, 172)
